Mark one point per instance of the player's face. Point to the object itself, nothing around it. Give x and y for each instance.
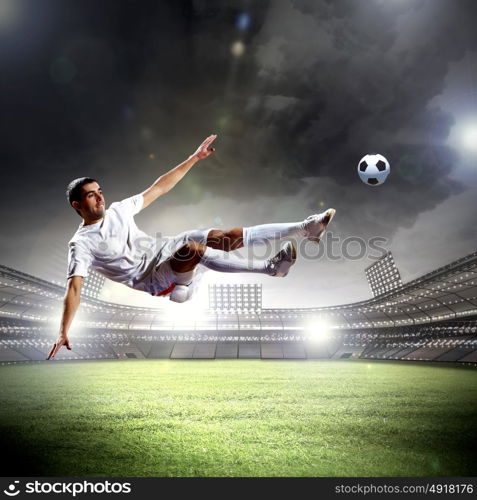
(92, 200)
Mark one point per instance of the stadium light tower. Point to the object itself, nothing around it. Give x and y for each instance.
(383, 276)
(93, 284)
(232, 298)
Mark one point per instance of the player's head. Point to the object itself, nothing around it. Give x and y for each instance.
(86, 197)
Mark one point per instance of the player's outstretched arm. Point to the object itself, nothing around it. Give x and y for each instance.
(167, 181)
(71, 303)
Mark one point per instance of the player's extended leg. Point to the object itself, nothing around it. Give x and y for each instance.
(229, 240)
(312, 228)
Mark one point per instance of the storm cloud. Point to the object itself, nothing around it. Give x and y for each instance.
(123, 91)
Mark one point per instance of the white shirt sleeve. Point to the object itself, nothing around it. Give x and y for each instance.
(130, 206)
(79, 260)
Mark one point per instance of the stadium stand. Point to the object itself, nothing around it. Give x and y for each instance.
(470, 357)
(226, 350)
(249, 350)
(128, 350)
(8, 354)
(459, 352)
(271, 350)
(432, 318)
(205, 350)
(183, 350)
(294, 350)
(161, 350)
(348, 352)
(321, 350)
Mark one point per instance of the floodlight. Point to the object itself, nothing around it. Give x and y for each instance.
(318, 330)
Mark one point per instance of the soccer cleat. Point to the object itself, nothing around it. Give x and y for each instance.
(280, 264)
(315, 225)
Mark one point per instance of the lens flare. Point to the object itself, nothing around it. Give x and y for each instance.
(237, 49)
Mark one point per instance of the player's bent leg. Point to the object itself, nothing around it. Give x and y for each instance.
(224, 262)
(186, 258)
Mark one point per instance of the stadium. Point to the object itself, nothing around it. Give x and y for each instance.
(286, 392)
(433, 318)
(244, 125)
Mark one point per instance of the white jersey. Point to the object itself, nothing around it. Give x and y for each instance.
(114, 246)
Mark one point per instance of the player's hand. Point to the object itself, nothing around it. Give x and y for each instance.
(62, 340)
(203, 151)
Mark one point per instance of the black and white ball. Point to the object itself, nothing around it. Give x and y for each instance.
(373, 169)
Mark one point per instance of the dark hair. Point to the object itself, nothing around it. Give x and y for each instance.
(73, 191)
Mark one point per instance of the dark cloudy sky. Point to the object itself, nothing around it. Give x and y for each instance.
(297, 91)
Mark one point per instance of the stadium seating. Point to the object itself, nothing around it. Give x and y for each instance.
(204, 350)
(271, 350)
(439, 344)
(433, 318)
(183, 350)
(226, 350)
(249, 350)
(161, 350)
(128, 351)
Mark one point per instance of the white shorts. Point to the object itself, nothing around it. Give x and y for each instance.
(162, 276)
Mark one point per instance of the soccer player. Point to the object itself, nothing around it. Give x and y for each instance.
(109, 242)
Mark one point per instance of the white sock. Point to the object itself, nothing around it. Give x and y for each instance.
(259, 235)
(226, 262)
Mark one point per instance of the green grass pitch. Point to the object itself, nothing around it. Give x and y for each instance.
(238, 418)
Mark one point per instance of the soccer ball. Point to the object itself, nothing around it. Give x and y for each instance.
(373, 169)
